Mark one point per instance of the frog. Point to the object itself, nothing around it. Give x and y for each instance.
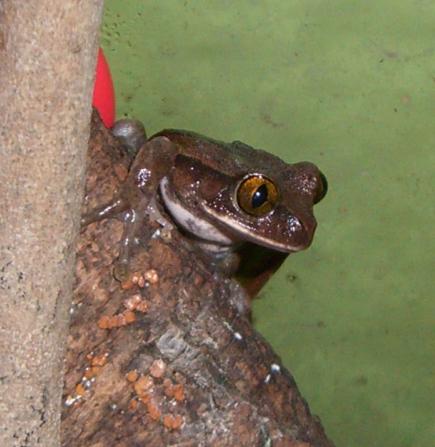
(220, 195)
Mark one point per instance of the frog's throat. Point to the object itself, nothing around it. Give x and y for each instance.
(196, 226)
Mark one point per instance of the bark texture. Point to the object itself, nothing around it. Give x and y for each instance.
(47, 64)
(164, 359)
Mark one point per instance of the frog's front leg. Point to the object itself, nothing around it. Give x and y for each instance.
(131, 205)
(132, 135)
(107, 211)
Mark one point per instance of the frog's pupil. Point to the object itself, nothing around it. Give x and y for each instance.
(259, 196)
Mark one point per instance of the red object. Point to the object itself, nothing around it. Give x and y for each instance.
(104, 94)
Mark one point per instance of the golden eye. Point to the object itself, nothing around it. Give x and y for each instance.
(257, 195)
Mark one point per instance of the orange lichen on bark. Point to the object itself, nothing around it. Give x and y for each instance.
(137, 278)
(142, 307)
(136, 302)
(172, 422)
(143, 384)
(174, 391)
(153, 409)
(158, 368)
(80, 390)
(88, 373)
(133, 404)
(134, 279)
(130, 281)
(145, 392)
(95, 370)
(179, 392)
(131, 302)
(104, 322)
(129, 316)
(91, 372)
(99, 360)
(145, 398)
(127, 284)
(151, 276)
(132, 376)
(168, 388)
(118, 320)
(140, 279)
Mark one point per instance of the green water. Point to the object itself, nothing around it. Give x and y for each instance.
(349, 85)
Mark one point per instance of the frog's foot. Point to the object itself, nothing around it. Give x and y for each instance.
(131, 133)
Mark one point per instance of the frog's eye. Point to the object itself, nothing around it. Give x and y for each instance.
(257, 195)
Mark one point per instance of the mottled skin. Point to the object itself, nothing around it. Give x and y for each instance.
(197, 179)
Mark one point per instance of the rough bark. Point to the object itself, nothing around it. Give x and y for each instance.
(47, 64)
(164, 359)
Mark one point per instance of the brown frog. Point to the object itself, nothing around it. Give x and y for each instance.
(220, 194)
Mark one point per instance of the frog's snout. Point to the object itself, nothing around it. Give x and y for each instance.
(322, 188)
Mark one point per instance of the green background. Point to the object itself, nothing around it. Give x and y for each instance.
(349, 85)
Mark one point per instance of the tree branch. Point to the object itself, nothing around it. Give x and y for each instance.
(164, 359)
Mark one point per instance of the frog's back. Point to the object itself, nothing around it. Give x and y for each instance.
(231, 158)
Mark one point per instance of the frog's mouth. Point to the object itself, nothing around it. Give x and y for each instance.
(246, 234)
(195, 225)
(226, 231)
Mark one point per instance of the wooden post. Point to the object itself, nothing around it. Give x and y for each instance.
(47, 63)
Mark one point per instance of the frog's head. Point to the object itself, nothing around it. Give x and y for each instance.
(274, 210)
(264, 200)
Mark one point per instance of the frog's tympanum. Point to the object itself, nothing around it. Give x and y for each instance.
(220, 194)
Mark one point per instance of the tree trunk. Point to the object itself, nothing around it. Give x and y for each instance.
(47, 63)
(164, 358)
